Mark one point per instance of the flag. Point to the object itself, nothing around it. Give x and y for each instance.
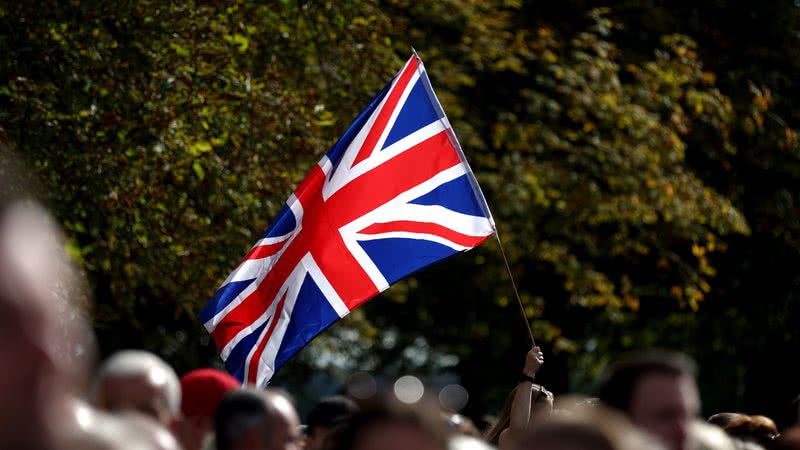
(392, 196)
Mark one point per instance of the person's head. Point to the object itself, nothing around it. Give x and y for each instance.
(706, 436)
(257, 420)
(585, 428)
(149, 432)
(467, 442)
(758, 429)
(657, 391)
(43, 339)
(138, 381)
(723, 419)
(460, 425)
(541, 406)
(559, 435)
(98, 430)
(329, 413)
(201, 393)
(389, 425)
(764, 427)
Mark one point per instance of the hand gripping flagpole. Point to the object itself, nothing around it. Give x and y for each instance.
(476, 190)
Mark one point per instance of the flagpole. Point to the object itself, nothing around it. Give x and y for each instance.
(474, 183)
(514, 285)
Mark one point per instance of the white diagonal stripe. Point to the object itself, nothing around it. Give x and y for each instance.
(325, 286)
(297, 209)
(266, 366)
(395, 113)
(346, 173)
(249, 269)
(407, 235)
(390, 152)
(458, 222)
(291, 287)
(349, 238)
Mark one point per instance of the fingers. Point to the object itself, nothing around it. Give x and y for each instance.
(537, 353)
(533, 360)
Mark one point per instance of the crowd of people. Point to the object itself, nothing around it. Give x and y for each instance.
(135, 400)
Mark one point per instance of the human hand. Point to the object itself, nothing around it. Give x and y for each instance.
(533, 361)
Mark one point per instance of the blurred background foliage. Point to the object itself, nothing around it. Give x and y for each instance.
(642, 162)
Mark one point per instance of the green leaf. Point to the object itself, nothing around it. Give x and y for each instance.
(198, 170)
(199, 147)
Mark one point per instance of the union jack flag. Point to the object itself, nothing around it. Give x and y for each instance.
(393, 195)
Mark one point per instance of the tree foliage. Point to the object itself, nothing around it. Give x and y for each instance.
(165, 135)
(642, 179)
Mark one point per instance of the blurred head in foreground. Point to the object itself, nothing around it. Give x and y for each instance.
(467, 442)
(390, 425)
(98, 430)
(44, 342)
(586, 428)
(705, 436)
(202, 391)
(138, 381)
(458, 424)
(657, 391)
(724, 418)
(329, 413)
(257, 420)
(757, 429)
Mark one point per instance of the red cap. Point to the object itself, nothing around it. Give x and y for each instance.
(202, 391)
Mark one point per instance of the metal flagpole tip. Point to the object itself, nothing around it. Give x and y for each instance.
(414, 51)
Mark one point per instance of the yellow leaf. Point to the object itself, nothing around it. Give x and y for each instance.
(198, 170)
(698, 107)
(199, 147)
(180, 50)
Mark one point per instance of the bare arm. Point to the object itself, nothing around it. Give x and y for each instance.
(521, 405)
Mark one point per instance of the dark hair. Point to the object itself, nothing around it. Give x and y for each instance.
(331, 411)
(615, 385)
(240, 411)
(385, 412)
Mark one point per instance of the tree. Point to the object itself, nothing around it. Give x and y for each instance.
(583, 155)
(165, 135)
(641, 179)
